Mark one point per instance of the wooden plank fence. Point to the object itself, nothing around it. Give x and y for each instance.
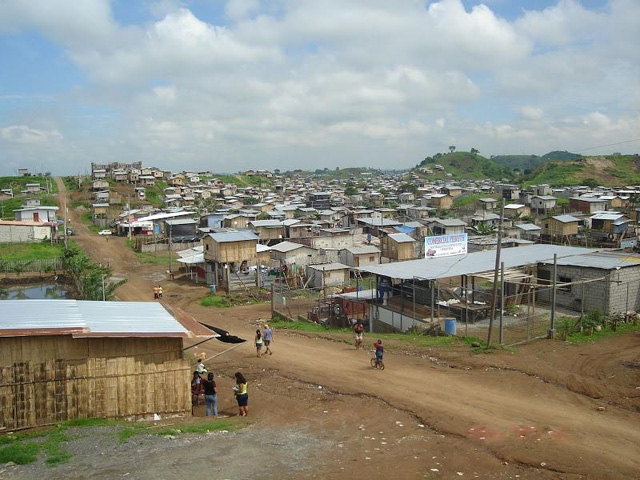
(42, 393)
(39, 265)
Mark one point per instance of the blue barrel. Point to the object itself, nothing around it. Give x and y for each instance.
(212, 289)
(450, 326)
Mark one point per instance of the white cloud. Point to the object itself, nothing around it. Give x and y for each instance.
(339, 80)
(23, 134)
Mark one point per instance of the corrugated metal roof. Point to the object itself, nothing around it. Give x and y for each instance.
(607, 216)
(182, 221)
(472, 263)
(566, 218)
(237, 236)
(284, 247)
(85, 318)
(377, 222)
(601, 260)
(362, 250)
(266, 223)
(528, 227)
(401, 237)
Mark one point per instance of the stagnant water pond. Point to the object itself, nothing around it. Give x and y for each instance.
(35, 292)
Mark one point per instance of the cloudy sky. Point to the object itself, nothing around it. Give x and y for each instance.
(229, 85)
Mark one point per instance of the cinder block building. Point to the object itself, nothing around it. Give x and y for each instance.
(618, 289)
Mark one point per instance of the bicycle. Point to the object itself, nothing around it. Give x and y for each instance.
(375, 363)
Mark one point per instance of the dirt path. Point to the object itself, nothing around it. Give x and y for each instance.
(536, 412)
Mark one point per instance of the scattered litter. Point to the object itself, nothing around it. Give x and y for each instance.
(326, 411)
(601, 409)
(361, 427)
(460, 474)
(367, 458)
(420, 425)
(383, 443)
(156, 417)
(320, 387)
(340, 445)
(481, 438)
(435, 470)
(543, 464)
(398, 423)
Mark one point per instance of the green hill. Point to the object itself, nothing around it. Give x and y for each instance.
(618, 170)
(466, 165)
(531, 162)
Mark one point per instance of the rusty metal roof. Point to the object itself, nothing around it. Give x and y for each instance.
(92, 319)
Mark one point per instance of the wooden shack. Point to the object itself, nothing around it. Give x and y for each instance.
(398, 246)
(67, 359)
(560, 226)
(228, 253)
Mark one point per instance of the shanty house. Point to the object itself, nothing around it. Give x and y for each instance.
(67, 359)
(609, 224)
(447, 226)
(289, 253)
(588, 205)
(543, 203)
(513, 210)
(612, 282)
(38, 213)
(360, 256)
(227, 254)
(268, 229)
(560, 226)
(398, 246)
(328, 275)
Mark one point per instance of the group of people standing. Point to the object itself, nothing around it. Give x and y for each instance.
(207, 387)
(263, 338)
(157, 292)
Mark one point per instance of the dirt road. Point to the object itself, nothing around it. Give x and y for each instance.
(523, 414)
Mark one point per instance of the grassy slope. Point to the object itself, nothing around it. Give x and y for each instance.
(532, 162)
(606, 170)
(18, 183)
(244, 180)
(466, 165)
(29, 251)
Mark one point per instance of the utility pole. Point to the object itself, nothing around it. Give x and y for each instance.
(64, 212)
(170, 234)
(501, 336)
(104, 299)
(554, 274)
(495, 276)
(129, 214)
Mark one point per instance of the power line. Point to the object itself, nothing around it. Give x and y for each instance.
(608, 145)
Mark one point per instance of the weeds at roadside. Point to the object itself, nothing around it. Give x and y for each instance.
(198, 428)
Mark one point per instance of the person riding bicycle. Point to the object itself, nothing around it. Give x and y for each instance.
(379, 352)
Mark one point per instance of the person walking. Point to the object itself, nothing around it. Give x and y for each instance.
(259, 342)
(197, 389)
(358, 333)
(268, 338)
(210, 396)
(379, 352)
(155, 292)
(159, 291)
(242, 395)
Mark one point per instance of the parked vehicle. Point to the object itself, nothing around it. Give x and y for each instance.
(104, 232)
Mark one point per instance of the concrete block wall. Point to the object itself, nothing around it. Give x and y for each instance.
(605, 296)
